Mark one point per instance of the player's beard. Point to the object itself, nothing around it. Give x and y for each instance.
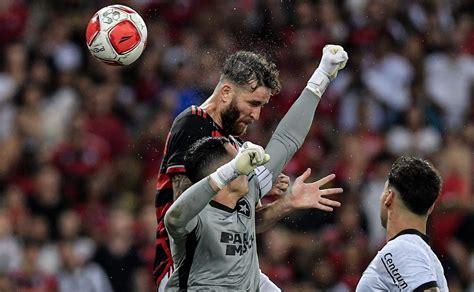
(229, 118)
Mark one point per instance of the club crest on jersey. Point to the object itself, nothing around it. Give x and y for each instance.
(243, 207)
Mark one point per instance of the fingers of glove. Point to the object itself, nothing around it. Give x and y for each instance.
(260, 154)
(332, 49)
(247, 161)
(345, 56)
(266, 158)
(257, 154)
(259, 158)
(249, 145)
(253, 155)
(335, 54)
(244, 164)
(341, 60)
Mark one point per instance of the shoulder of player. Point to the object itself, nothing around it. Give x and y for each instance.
(405, 260)
(403, 247)
(192, 113)
(189, 119)
(195, 120)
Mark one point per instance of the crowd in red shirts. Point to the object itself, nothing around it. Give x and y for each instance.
(81, 142)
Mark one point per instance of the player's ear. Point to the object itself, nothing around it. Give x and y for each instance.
(389, 197)
(226, 93)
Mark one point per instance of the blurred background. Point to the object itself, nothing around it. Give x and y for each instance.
(81, 142)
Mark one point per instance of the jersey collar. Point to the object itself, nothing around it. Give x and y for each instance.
(425, 237)
(219, 128)
(220, 206)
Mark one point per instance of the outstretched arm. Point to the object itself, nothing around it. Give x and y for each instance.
(302, 196)
(293, 128)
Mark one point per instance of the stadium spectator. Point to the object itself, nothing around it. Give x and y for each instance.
(79, 275)
(55, 99)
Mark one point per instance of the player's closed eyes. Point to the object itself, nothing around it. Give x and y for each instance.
(256, 104)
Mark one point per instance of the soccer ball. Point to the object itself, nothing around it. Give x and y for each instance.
(116, 35)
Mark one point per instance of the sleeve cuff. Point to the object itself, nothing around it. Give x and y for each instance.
(426, 286)
(176, 169)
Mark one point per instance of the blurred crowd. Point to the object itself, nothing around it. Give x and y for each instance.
(81, 142)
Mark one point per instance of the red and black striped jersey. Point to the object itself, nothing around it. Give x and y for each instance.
(188, 127)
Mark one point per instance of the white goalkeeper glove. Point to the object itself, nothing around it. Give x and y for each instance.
(334, 59)
(249, 157)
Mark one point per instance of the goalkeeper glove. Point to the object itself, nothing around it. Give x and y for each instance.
(249, 157)
(334, 59)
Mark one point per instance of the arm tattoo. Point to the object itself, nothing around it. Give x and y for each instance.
(180, 184)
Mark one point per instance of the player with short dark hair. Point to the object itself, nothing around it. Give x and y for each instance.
(212, 225)
(406, 262)
(417, 182)
(202, 155)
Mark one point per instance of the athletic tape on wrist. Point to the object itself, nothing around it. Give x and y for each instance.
(318, 82)
(223, 175)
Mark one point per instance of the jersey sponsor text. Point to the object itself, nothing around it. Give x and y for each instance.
(387, 261)
(237, 243)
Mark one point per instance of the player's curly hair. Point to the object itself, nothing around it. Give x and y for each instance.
(202, 157)
(244, 67)
(417, 181)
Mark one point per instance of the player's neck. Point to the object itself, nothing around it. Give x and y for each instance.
(402, 221)
(212, 109)
(228, 199)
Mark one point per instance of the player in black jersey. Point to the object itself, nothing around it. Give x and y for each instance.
(188, 127)
(246, 84)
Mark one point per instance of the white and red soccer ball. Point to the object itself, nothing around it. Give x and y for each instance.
(116, 35)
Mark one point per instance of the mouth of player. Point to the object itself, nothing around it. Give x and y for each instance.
(243, 125)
